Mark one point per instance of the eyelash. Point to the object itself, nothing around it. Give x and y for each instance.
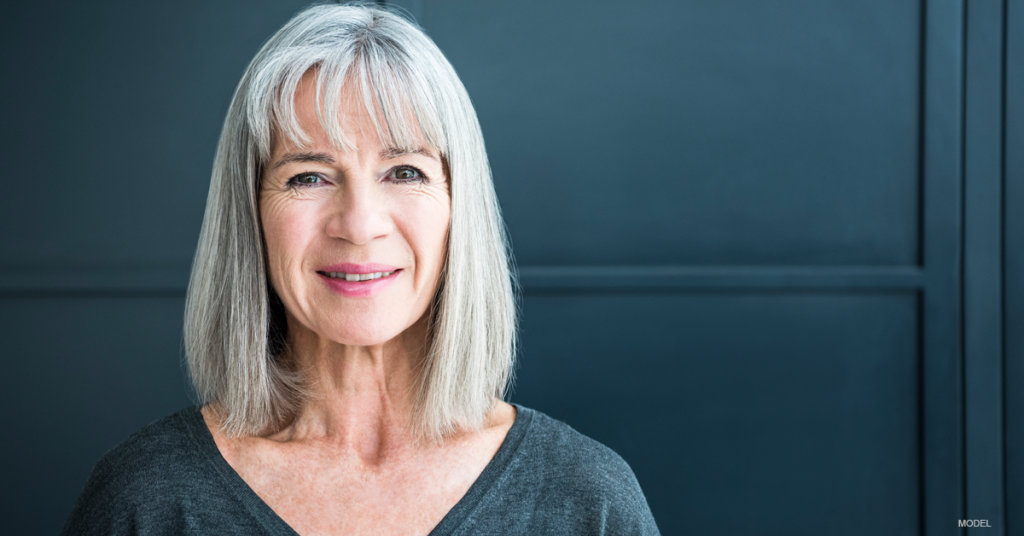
(294, 181)
(421, 176)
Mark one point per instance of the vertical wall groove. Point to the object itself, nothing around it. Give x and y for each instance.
(1013, 264)
(982, 287)
(942, 402)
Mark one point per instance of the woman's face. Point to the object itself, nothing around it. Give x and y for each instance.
(355, 240)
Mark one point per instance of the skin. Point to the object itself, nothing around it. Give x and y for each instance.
(349, 463)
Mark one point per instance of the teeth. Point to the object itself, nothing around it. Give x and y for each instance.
(358, 277)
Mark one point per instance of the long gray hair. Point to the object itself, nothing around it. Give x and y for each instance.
(234, 326)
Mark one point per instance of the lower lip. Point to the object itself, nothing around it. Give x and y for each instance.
(359, 289)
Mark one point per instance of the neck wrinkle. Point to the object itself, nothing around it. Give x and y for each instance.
(361, 398)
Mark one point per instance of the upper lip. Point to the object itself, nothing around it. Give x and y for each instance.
(349, 268)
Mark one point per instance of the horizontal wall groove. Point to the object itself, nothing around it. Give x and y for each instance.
(170, 281)
(544, 278)
(160, 280)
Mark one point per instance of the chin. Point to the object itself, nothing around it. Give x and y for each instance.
(361, 335)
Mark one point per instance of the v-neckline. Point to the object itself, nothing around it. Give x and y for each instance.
(262, 512)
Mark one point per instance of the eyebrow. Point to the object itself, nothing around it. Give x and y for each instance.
(291, 158)
(323, 158)
(394, 152)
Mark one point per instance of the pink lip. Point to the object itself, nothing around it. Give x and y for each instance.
(358, 289)
(349, 268)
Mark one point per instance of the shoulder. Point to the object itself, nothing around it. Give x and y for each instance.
(560, 451)
(153, 457)
(561, 445)
(157, 444)
(580, 477)
(142, 480)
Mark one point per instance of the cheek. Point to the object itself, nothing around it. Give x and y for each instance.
(428, 230)
(286, 230)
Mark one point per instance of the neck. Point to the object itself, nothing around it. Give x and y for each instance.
(362, 398)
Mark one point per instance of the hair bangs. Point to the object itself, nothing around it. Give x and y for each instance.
(380, 78)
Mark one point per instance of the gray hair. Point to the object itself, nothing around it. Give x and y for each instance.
(234, 325)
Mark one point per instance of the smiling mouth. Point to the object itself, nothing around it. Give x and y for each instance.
(357, 277)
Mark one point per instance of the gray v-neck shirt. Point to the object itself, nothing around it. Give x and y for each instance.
(546, 478)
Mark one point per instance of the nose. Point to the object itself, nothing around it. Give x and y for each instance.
(360, 214)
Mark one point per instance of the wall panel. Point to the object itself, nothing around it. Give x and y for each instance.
(80, 375)
(114, 112)
(741, 413)
(697, 132)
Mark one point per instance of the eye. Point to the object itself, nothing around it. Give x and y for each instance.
(406, 174)
(305, 179)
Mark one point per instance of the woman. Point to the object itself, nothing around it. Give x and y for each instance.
(350, 322)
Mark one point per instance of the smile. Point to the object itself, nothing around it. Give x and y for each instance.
(356, 277)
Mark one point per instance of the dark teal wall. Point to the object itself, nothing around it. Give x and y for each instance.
(1013, 274)
(771, 253)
